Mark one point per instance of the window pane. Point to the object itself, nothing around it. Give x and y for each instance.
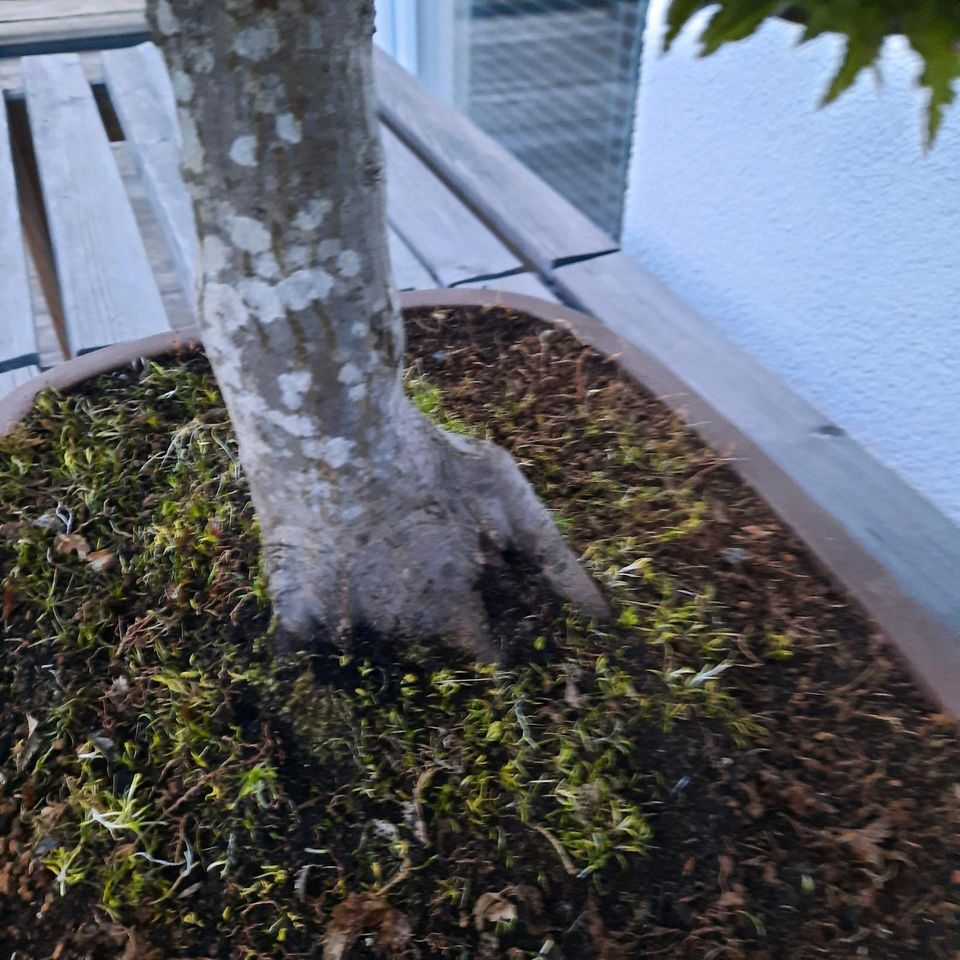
(554, 81)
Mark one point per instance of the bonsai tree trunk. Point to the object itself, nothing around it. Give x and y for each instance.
(370, 515)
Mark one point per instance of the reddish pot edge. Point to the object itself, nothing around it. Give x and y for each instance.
(17, 404)
(930, 647)
(64, 376)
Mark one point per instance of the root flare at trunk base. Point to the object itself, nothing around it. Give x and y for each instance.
(406, 542)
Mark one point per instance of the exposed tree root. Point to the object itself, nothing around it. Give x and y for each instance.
(404, 552)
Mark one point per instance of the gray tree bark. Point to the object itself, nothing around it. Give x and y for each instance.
(370, 515)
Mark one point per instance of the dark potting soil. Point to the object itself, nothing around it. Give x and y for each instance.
(736, 768)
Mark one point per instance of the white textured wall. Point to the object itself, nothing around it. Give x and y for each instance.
(824, 242)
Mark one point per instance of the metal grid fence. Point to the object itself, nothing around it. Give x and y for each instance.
(555, 82)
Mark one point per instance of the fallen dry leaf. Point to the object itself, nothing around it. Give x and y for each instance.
(68, 543)
(50, 815)
(13, 530)
(603, 945)
(360, 914)
(176, 592)
(731, 899)
(803, 800)
(725, 864)
(756, 807)
(24, 751)
(394, 932)
(942, 719)
(493, 908)
(136, 949)
(101, 560)
(865, 842)
(9, 601)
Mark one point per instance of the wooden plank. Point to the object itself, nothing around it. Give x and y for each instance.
(143, 99)
(108, 289)
(11, 74)
(48, 342)
(529, 284)
(26, 23)
(27, 11)
(18, 341)
(533, 219)
(445, 235)
(408, 272)
(47, 307)
(894, 550)
(179, 313)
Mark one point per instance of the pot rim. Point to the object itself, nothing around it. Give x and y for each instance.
(15, 406)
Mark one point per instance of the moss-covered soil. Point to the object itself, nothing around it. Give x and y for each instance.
(735, 769)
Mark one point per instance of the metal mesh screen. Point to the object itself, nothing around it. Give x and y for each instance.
(555, 82)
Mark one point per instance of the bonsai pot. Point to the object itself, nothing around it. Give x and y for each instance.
(734, 688)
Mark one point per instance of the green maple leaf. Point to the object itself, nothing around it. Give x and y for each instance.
(931, 26)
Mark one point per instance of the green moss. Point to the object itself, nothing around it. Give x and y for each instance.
(188, 780)
(429, 399)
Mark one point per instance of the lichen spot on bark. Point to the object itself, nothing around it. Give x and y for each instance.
(349, 374)
(167, 22)
(182, 86)
(312, 215)
(244, 151)
(192, 154)
(267, 267)
(289, 128)
(262, 299)
(249, 235)
(257, 43)
(216, 255)
(297, 425)
(294, 387)
(333, 451)
(224, 308)
(329, 248)
(299, 289)
(349, 263)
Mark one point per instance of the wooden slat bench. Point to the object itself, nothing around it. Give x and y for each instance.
(409, 272)
(143, 99)
(450, 240)
(543, 228)
(100, 260)
(107, 286)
